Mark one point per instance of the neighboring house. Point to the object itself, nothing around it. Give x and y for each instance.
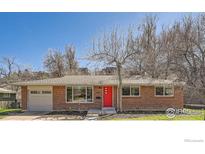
(109, 70)
(96, 92)
(7, 95)
(83, 71)
(106, 71)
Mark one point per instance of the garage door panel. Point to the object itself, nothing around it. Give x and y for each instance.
(40, 108)
(40, 98)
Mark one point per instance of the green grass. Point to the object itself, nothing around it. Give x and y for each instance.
(164, 117)
(198, 115)
(7, 111)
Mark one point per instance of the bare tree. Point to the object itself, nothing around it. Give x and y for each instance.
(148, 58)
(150, 46)
(54, 63)
(2, 72)
(8, 66)
(183, 48)
(13, 72)
(114, 48)
(188, 43)
(71, 62)
(135, 65)
(168, 42)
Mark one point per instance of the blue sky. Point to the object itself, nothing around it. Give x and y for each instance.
(28, 36)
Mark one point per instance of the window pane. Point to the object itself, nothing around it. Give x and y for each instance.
(168, 91)
(89, 94)
(79, 94)
(46, 92)
(35, 92)
(6, 95)
(126, 91)
(69, 94)
(159, 91)
(135, 91)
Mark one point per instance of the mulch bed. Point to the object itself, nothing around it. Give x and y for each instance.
(78, 113)
(130, 114)
(64, 115)
(120, 116)
(142, 112)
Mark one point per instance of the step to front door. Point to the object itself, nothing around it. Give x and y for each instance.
(108, 110)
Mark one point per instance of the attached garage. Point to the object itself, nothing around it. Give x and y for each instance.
(40, 98)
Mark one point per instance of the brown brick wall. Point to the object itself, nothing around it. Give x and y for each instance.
(59, 100)
(147, 100)
(24, 97)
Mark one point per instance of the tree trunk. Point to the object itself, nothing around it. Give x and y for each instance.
(119, 102)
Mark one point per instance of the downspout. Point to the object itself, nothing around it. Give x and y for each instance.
(119, 102)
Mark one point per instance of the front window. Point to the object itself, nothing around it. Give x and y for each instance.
(168, 91)
(6, 95)
(126, 91)
(130, 91)
(79, 94)
(135, 91)
(89, 94)
(164, 91)
(69, 94)
(159, 91)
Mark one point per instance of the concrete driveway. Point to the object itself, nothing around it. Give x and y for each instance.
(25, 116)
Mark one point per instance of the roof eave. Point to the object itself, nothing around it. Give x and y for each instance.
(97, 84)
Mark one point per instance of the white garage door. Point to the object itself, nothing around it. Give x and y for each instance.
(40, 98)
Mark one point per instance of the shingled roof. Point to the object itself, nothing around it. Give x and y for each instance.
(98, 80)
(2, 90)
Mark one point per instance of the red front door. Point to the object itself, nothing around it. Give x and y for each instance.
(107, 96)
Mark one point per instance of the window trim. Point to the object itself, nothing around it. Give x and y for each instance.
(130, 91)
(164, 86)
(77, 102)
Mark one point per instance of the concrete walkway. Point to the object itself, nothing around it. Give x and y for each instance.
(93, 114)
(25, 116)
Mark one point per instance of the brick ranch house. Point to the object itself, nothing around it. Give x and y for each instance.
(97, 92)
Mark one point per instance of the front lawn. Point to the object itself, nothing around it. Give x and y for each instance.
(5, 112)
(8, 111)
(192, 115)
(164, 117)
